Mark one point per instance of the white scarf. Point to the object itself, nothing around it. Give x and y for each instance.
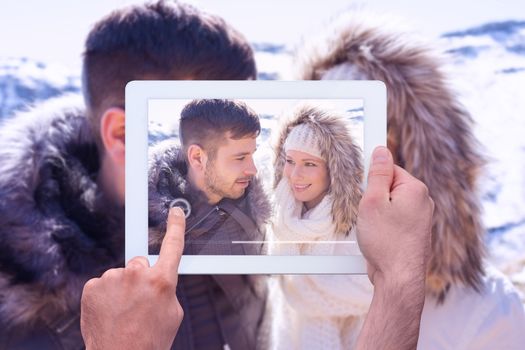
(304, 303)
(290, 225)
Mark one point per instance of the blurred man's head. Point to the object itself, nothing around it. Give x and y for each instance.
(156, 41)
(219, 140)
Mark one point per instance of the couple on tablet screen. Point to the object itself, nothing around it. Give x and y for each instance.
(316, 192)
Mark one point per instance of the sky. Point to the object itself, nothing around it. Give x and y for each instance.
(53, 31)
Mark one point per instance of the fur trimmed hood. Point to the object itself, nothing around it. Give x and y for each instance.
(343, 159)
(167, 181)
(57, 229)
(429, 131)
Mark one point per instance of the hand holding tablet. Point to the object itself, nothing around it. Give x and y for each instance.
(394, 216)
(394, 233)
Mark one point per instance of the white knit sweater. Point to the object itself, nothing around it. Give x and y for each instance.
(321, 311)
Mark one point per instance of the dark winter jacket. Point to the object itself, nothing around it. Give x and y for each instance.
(57, 229)
(218, 309)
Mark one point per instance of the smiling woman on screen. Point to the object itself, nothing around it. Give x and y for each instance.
(318, 171)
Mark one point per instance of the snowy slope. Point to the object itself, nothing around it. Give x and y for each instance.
(24, 81)
(489, 73)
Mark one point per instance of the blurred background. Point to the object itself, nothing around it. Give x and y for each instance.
(41, 46)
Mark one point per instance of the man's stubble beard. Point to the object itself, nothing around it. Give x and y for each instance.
(216, 185)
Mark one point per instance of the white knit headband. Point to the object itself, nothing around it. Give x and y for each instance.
(302, 138)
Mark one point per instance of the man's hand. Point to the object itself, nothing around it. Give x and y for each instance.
(136, 307)
(394, 233)
(394, 222)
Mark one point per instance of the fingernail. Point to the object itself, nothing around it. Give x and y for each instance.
(177, 211)
(380, 155)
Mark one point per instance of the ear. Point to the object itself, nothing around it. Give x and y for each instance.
(112, 131)
(196, 158)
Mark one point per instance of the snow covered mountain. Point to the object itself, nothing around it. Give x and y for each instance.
(24, 82)
(489, 74)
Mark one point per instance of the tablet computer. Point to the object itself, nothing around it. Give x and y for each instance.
(262, 192)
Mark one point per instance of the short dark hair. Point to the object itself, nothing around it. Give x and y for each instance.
(207, 123)
(161, 40)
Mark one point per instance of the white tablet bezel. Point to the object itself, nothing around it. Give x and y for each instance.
(138, 93)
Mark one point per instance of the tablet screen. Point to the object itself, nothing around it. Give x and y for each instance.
(268, 173)
(256, 176)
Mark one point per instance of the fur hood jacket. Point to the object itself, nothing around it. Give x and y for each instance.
(57, 229)
(343, 156)
(429, 132)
